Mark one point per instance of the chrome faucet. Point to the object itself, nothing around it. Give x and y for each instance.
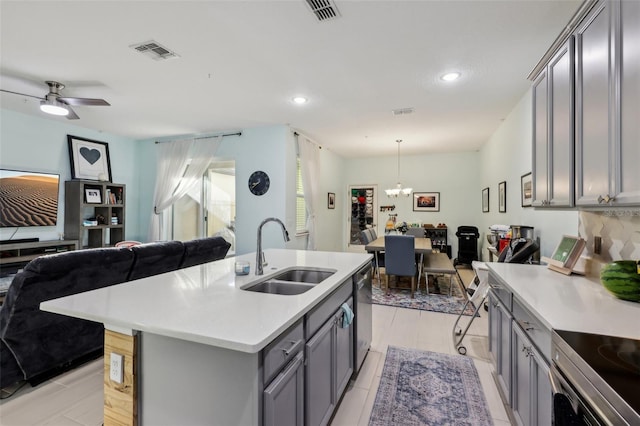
(259, 254)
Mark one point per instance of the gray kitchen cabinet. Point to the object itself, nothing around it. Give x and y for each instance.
(283, 370)
(553, 132)
(319, 386)
(504, 352)
(532, 396)
(500, 343)
(518, 341)
(284, 397)
(329, 366)
(344, 353)
(607, 105)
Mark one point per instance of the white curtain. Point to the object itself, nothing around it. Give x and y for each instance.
(310, 168)
(181, 165)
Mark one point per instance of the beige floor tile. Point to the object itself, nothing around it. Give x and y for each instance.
(368, 404)
(60, 421)
(350, 408)
(496, 406)
(368, 370)
(90, 409)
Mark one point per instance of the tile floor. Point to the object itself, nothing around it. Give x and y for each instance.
(75, 398)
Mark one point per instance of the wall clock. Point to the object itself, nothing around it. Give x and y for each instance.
(259, 182)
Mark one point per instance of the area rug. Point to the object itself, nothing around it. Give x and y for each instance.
(428, 388)
(438, 299)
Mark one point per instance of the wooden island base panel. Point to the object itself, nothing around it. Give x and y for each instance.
(120, 399)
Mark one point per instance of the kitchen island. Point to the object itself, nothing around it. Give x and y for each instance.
(195, 341)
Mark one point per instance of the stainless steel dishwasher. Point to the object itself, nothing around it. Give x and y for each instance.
(362, 311)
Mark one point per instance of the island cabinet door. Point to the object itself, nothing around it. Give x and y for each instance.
(284, 397)
(494, 330)
(319, 377)
(344, 352)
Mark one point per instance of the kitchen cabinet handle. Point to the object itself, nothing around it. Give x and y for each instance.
(606, 199)
(293, 348)
(526, 325)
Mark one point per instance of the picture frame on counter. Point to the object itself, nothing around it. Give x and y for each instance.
(426, 201)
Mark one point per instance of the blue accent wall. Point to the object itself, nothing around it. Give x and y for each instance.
(40, 144)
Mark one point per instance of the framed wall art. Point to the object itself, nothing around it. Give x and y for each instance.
(89, 159)
(485, 200)
(426, 201)
(526, 194)
(502, 197)
(331, 200)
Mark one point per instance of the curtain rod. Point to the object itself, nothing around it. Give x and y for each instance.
(209, 137)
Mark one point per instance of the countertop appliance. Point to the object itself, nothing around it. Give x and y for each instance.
(362, 310)
(595, 379)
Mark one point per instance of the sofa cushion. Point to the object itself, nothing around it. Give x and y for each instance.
(43, 340)
(156, 258)
(203, 250)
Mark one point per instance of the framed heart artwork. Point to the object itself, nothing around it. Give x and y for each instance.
(89, 159)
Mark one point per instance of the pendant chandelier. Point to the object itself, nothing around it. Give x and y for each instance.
(398, 190)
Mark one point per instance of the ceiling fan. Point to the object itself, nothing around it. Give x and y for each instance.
(56, 104)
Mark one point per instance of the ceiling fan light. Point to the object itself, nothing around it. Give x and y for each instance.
(451, 76)
(54, 107)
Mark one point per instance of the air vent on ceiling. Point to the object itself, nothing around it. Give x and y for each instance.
(402, 111)
(154, 50)
(323, 9)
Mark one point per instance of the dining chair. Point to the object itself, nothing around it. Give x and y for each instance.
(400, 259)
(416, 232)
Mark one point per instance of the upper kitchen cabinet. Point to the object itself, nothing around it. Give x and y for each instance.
(553, 131)
(608, 105)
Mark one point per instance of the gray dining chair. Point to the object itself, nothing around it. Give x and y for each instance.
(400, 259)
(416, 232)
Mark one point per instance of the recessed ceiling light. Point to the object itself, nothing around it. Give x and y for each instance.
(300, 100)
(450, 76)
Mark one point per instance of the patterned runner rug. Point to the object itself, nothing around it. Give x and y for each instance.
(438, 299)
(428, 388)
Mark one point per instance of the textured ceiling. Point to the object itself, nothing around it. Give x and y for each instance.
(241, 62)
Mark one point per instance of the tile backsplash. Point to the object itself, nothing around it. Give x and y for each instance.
(619, 230)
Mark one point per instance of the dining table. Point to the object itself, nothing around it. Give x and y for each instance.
(422, 247)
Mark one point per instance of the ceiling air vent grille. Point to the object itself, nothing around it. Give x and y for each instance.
(154, 50)
(323, 9)
(402, 111)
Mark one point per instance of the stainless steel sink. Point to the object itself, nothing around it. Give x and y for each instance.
(280, 287)
(292, 281)
(308, 276)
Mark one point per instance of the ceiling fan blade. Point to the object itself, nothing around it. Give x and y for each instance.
(72, 114)
(21, 94)
(84, 101)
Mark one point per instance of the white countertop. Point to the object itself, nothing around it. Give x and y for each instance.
(572, 303)
(205, 303)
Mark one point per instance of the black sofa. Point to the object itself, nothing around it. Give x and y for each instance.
(36, 345)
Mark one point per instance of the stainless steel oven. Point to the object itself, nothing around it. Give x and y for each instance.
(595, 379)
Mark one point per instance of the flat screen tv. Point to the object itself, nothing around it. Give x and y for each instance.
(28, 198)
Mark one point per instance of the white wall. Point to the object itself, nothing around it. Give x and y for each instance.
(506, 157)
(454, 176)
(40, 144)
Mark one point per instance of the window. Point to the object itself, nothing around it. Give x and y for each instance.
(301, 209)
